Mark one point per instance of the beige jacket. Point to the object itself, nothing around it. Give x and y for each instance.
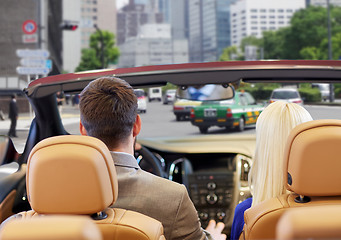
(158, 198)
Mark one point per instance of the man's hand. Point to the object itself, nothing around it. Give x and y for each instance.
(216, 229)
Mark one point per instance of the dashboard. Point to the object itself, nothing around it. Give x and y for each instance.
(216, 180)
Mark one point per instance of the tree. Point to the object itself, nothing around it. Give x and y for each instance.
(307, 36)
(91, 57)
(229, 53)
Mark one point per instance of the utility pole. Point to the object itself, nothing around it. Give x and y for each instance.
(330, 53)
(102, 44)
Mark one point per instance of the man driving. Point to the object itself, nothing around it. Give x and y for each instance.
(108, 111)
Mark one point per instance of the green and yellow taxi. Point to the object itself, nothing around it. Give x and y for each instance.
(238, 112)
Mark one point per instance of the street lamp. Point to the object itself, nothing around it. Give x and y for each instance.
(102, 44)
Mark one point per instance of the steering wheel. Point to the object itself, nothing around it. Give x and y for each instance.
(149, 162)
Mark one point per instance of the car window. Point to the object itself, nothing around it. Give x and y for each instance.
(249, 98)
(139, 93)
(284, 95)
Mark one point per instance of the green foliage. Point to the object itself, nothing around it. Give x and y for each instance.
(92, 58)
(337, 90)
(229, 54)
(306, 37)
(310, 94)
(261, 91)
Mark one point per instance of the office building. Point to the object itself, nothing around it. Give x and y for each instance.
(251, 18)
(209, 28)
(153, 46)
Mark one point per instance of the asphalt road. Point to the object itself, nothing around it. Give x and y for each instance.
(159, 120)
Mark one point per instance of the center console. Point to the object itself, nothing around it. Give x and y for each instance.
(212, 195)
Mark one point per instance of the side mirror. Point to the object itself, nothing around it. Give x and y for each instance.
(209, 92)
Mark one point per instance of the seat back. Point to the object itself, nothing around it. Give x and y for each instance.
(311, 166)
(317, 222)
(51, 228)
(76, 175)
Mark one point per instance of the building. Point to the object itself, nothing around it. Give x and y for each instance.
(251, 18)
(87, 14)
(132, 16)
(47, 36)
(323, 3)
(153, 46)
(209, 29)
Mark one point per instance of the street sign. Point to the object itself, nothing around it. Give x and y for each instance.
(35, 62)
(33, 70)
(30, 38)
(31, 53)
(48, 64)
(29, 27)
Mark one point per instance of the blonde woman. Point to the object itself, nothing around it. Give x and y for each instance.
(266, 176)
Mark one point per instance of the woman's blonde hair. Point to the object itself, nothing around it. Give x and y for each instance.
(272, 129)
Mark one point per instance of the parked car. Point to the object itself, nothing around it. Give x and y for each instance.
(236, 113)
(182, 108)
(155, 93)
(141, 100)
(169, 96)
(286, 94)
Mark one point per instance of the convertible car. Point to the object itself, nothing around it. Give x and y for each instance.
(214, 167)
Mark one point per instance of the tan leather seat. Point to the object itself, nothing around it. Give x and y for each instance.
(312, 169)
(76, 175)
(316, 222)
(55, 227)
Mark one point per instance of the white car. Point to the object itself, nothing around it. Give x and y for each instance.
(141, 100)
(286, 94)
(169, 96)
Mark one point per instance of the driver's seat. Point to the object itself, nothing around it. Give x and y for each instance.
(75, 175)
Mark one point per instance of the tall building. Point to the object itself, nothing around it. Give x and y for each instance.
(209, 28)
(132, 16)
(86, 13)
(251, 18)
(178, 18)
(153, 46)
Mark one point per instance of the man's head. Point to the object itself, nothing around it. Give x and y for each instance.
(108, 110)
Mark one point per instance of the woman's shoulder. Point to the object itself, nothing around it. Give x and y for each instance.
(241, 207)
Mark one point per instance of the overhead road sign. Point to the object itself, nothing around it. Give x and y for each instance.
(29, 27)
(31, 53)
(35, 62)
(33, 70)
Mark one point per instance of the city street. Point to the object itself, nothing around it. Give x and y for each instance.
(159, 120)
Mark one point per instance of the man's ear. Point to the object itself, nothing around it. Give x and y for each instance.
(137, 126)
(82, 129)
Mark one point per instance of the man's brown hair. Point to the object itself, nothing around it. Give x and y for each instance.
(108, 109)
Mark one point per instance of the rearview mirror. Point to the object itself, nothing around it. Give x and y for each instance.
(208, 92)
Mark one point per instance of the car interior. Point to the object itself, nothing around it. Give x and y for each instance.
(214, 167)
(56, 186)
(310, 151)
(49, 228)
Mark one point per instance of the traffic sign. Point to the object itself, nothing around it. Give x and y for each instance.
(30, 38)
(35, 62)
(33, 70)
(29, 27)
(31, 53)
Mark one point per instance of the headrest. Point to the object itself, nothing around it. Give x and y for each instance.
(71, 174)
(312, 158)
(314, 222)
(49, 227)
